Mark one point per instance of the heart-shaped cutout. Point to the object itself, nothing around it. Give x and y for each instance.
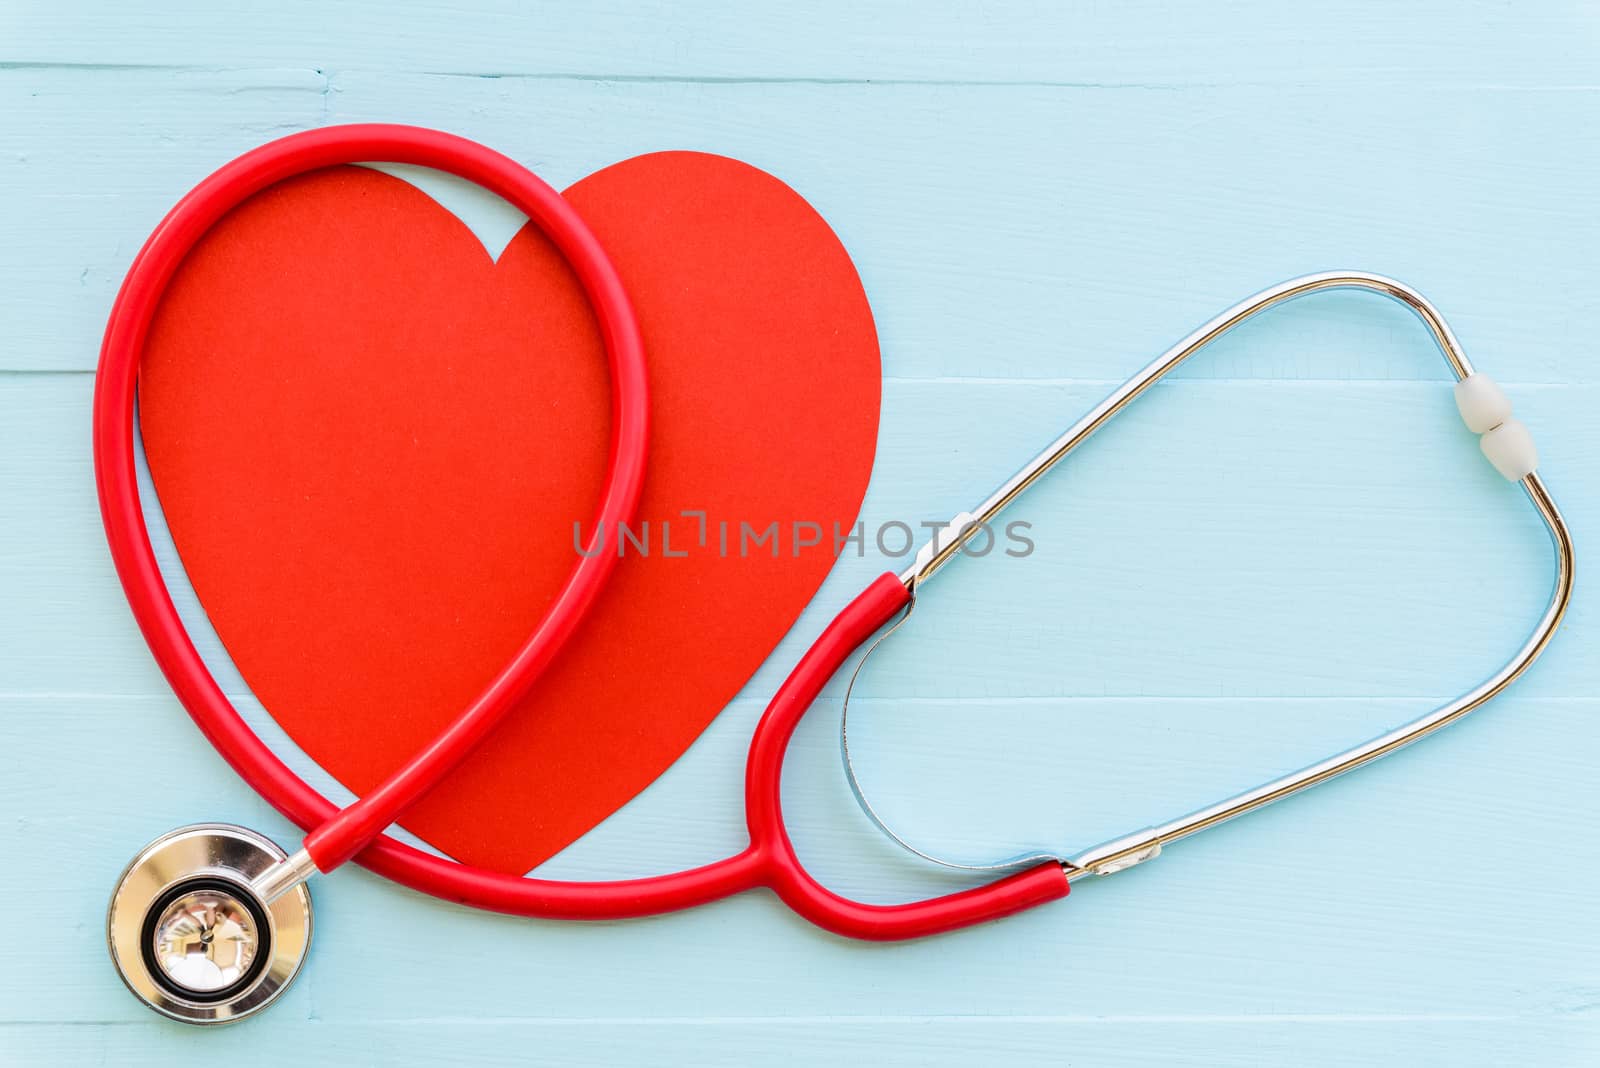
(371, 444)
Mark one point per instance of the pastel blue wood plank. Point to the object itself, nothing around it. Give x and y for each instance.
(1047, 232)
(1149, 42)
(1222, 538)
(1115, 1042)
(1001, 231)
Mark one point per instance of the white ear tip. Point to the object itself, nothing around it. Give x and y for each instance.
(1482, 403)
(1510, 448)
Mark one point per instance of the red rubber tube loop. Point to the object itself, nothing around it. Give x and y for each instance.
(336, 835)
(336, 839)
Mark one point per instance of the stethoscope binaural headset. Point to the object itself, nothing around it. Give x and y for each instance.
(211, 922)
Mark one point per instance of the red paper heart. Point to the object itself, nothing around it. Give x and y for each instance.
(371, 444)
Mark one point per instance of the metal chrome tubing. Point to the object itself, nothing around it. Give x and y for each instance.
(1135, 848)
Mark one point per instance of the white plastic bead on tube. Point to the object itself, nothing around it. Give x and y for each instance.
(1486, 410)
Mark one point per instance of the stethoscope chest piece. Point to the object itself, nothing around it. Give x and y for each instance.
(189, 935)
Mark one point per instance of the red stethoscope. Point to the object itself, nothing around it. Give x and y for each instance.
(211, 922)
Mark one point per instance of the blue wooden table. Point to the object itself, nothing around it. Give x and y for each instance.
(1291, 546)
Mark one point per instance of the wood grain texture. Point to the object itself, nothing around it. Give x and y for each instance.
(1142, 43)
(1039, 246)
(1291, 546)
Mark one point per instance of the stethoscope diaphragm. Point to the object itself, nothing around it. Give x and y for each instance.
(190, 936)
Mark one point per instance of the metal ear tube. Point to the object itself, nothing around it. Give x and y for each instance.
(1484, 409)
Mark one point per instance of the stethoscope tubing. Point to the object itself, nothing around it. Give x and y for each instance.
(355, 832)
